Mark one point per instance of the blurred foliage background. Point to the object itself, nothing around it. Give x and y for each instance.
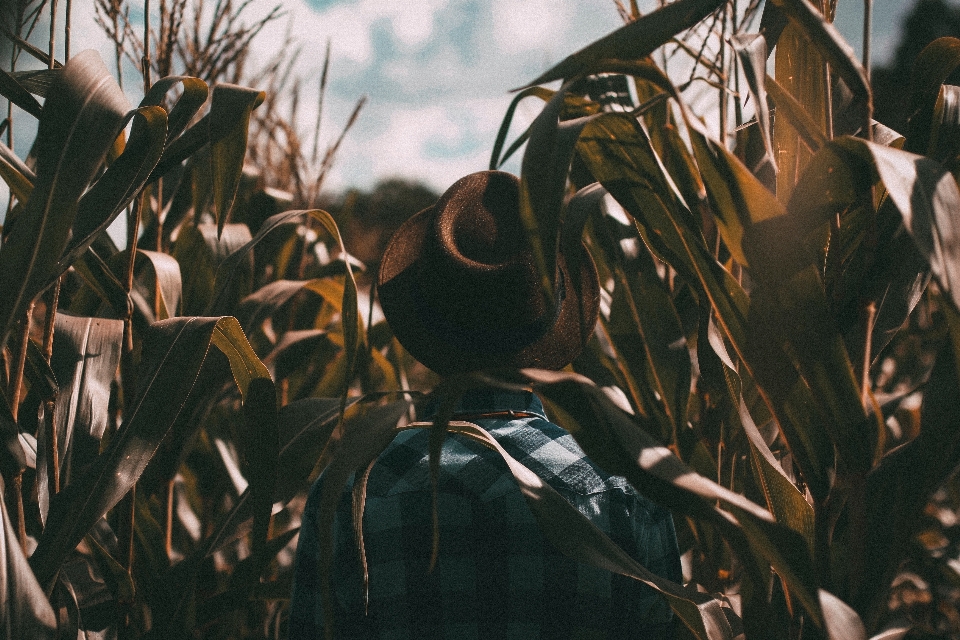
(777, 361)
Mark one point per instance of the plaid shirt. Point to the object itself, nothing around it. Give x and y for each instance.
(496, 576)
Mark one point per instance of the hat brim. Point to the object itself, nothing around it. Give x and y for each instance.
(397, 284)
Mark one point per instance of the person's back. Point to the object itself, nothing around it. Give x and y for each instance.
(496, 576)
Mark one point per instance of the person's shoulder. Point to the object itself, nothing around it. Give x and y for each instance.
(552, 453)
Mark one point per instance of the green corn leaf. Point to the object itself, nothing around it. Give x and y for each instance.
(539, 92)
(930, 70)
(18, 176)
(77, 128)
(37, 81)
(174, 351)
(119, 184)
(834, 49)
(86, 354)
(616, 442)
(192, 98)
(635, 40)
(205, 247)
(25, 611)
(619, 155)
(752, 52)
(841, 621)
(230, 108)
(12, 89)
(794, 112)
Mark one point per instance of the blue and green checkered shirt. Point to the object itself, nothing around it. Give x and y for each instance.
(496, 575)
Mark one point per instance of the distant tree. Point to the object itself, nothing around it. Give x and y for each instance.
(368, 219)
(929, 20)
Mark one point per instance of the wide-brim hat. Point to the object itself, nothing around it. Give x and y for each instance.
(459, 286)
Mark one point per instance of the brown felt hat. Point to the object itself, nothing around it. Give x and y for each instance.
(460, 289)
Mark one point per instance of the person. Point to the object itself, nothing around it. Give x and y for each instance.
(459, 287)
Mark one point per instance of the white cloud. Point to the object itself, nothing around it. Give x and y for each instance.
(434, 144)
(347, 30)
(413, 22)
(350, 25)
(522, 25)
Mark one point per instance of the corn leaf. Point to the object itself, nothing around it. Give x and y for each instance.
(262, 435)
(205, 247)
(944, 143)
(922, 191)
(263, 302)
(13, 458)
(96, 274)
(234, 264)
(119, 184)
(841, 621)
(574, 535)
(174, 351)
(619, 155)
(930, 70)
(15, 92)
(800, 120)
(77, 128)
(635, 40)
(18, 176)
(351, 319)
(230, 108)
(830, 44)
(546, 162)
(363, 439)
(898, 487)
(25, 611)
(37, 81)
(784, 500)
(86, 354)
(192, 98)
(643, 324)
(164, 277)
(495, 159)
(752, 52)
(614, 441)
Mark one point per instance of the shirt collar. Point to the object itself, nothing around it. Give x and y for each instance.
(489, 400)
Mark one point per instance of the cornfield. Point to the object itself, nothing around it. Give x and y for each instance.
(777, 359)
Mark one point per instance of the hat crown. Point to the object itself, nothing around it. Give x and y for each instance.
(459, 285)
(478, 226)
(483, 254)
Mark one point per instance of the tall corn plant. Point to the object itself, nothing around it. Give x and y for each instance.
(150, 396)
(761, 297)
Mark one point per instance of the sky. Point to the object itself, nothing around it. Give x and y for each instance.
(438, 73)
